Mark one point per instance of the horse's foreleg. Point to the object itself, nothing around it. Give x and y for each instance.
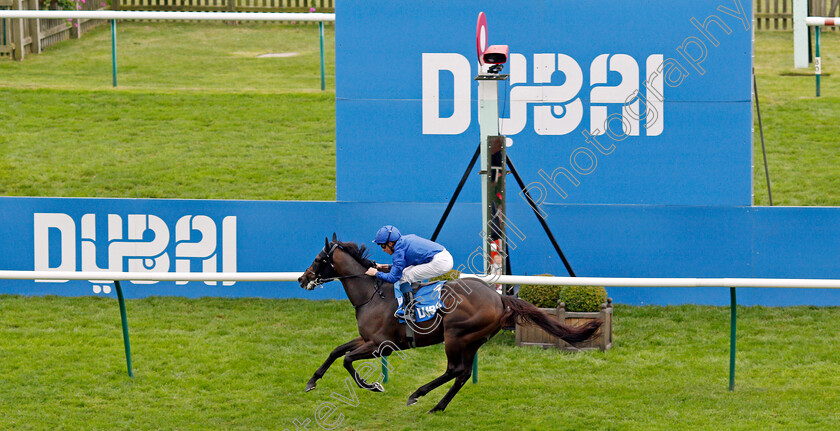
(336, 353)
(365, 351)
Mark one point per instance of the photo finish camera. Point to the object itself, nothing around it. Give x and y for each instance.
(494, 55)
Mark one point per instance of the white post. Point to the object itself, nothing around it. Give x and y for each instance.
(800, 34)
(488, 116)
(488, 125)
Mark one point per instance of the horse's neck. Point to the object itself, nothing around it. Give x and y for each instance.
(358, 289)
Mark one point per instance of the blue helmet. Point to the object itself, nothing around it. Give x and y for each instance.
(387, 233)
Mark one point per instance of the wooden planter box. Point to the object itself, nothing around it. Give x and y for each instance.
(533, 335)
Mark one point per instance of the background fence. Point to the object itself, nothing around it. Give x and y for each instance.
(769, 15)
(778, 14)
(33, 36)
(19, 37)
(226, 5)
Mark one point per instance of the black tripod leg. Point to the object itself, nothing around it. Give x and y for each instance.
(539, 217)
(761, 132)
(457, 192)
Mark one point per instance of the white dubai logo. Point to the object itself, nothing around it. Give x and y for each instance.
(557, 109)
(139, 245)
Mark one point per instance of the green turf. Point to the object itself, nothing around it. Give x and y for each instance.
(196, 115)
(800, 129)
(177, 145)
(164, 57)
(243, 363)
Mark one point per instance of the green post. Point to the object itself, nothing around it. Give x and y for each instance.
(817, 62)
(475, 369)
(124, 327)
(385, 369)
(323, 83)
(114, 50)
(732, 325)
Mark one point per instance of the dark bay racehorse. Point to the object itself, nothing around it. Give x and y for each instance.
(472, 312)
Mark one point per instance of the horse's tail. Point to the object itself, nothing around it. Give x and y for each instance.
(525, 313)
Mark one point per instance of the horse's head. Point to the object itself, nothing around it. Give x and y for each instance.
(322, 267)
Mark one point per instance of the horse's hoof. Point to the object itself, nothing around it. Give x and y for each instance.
(377, 387)
(434, 410)
(310, 386)
(411, 401)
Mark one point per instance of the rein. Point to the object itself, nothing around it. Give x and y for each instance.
(376, 284)
(327, 280)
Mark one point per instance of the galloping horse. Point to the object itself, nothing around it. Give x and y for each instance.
(472, 312)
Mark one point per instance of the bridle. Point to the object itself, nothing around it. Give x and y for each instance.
(328, 259)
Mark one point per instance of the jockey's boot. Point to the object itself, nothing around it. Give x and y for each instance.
(405, 289)
(408, 298)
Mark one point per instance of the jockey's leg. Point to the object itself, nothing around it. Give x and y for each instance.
(405, 289)
(439, 265)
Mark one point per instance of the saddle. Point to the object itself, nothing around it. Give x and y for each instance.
(424, 305)
(417, 285)
(425, 300)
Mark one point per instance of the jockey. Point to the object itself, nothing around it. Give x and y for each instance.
(414, 259)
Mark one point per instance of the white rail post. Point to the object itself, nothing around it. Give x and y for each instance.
(800, 34)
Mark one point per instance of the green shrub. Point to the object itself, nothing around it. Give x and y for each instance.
(541, 295)
(583, 298)
(576, 298)
(452, 274)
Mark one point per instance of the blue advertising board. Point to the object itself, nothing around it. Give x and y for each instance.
(631, 102)
(262, 236)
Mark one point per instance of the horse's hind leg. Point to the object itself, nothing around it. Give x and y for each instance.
(463, 371)
(453, 356)
(453, 369)
(428, 387)
(336, 353)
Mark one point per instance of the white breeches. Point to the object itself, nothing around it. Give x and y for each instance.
(438, 266)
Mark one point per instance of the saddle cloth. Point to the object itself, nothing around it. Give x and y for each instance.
(426, 301)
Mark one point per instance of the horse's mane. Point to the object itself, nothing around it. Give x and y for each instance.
(360, 253)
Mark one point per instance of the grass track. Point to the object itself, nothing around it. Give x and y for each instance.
(183, 145)
(196, 115)
(799, 128)
(243, 363)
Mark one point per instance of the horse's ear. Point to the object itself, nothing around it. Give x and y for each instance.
(335, 238)
(326, 242)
